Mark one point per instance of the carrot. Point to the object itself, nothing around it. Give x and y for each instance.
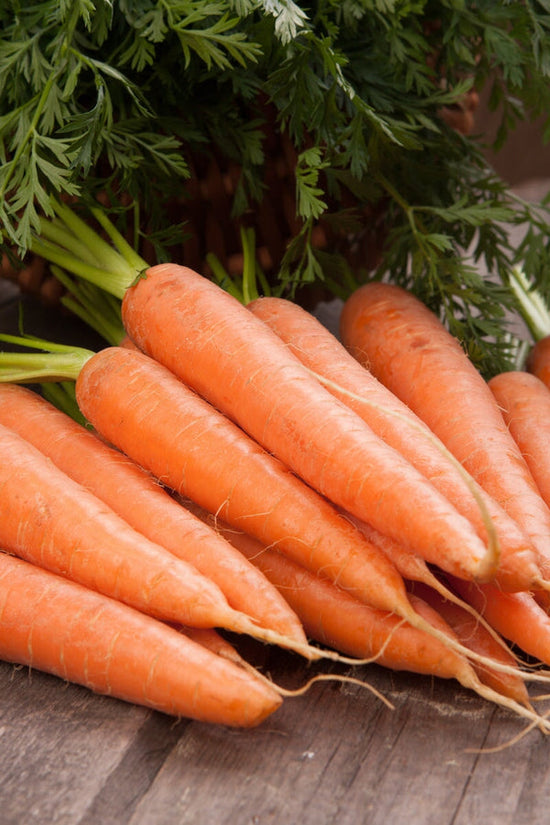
(151, 416)
(54, 522)
(212, 640)
(138, 405)
(138, 498)
(533, 307)
(415, 569)
(207, 338)
(538, 360)
(213, 344)
(516, 616)
(333, 617)
(524, 401)
(392, 420)
(475, 636)
(409, 350)
(55, 625)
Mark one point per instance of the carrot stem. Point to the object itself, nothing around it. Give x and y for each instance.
(56, 232)
(117, 285)
(108, 257)
(98, 309)
(128, 253)
(533, 308)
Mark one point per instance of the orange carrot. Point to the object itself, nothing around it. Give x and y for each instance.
(215, 642)
(210, 341)
(538, 360)
(409, 350)
(142, 408)
(138, 498)
(139, 405)
(333, 617)
(392, 420)
(475, 636)
(57, 626)
(151, 416)
(54, 522)
(516, 616)
(524, 401)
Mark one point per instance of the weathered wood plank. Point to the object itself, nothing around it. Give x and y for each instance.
(58, 744)
(334, 755)
(508, 787)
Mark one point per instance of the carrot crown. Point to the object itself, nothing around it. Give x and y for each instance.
(70, 243)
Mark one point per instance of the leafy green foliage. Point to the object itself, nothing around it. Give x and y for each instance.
(120, 97)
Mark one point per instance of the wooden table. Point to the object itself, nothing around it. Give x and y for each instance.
(334, 755)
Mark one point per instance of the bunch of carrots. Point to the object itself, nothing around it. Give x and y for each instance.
(236, 467)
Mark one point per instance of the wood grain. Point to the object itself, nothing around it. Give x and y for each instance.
(336, 754)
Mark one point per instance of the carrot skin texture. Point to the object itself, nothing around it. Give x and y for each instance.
(210, 639)
(524, 401)
(473, 635)
(333, 617)
(217, 347)
(139, 499)
(55, 523)
(516, 616)
(387, 415)
(538, 360)
(150, 415)
(409, 350)
(57, 626)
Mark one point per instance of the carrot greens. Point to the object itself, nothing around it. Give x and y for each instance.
(131, 102)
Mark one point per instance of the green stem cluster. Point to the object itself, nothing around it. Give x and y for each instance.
(54, 362)
(532, 306)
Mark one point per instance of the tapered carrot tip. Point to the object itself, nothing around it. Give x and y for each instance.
(55, 625)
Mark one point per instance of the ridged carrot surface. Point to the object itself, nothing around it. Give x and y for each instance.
(538, 361)
(409, 350)
(335, 618)
(216, 346)
(391, 419)
(524, 402)
(53, 522)
(57, 626)
(516, 616)
(141, 501)
(475, 636)
(149, 414)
